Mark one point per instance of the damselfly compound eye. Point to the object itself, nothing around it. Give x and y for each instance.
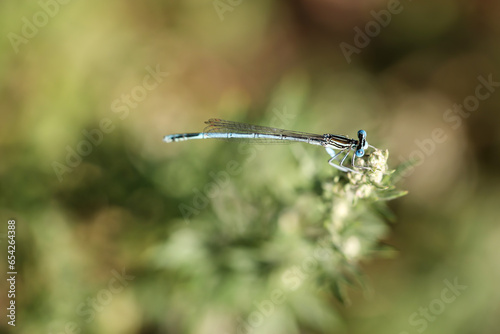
(360, 153)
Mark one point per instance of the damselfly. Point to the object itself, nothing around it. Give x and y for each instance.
(221, 129)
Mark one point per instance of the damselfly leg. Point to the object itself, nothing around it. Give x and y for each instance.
(334, 155)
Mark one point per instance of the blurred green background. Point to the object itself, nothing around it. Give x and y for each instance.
(102, 245)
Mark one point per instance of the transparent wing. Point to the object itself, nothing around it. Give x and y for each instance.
(285, 136)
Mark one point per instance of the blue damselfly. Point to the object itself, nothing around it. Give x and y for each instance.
(228, 130)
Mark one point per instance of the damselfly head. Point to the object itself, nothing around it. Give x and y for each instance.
(362, 143)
